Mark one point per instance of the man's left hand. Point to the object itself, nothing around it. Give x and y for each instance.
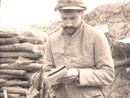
(72, 74)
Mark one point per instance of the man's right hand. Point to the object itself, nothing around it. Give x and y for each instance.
(46, 75)
(72, 74)
(56, 86)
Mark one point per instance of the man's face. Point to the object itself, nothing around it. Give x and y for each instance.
(71, 20)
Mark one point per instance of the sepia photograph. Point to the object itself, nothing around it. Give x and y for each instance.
(64, 49)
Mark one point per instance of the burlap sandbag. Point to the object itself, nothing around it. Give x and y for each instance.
(7, 41)
(2, 81)
(16, 90)
(41, 48)
(36, 34)
(18, 47)
(10, 77)
(30, 40)
(10, 95)
(28, 55)
(7, 34)
(16, 82)
(13, 72)
(28, 67)
(7, 60)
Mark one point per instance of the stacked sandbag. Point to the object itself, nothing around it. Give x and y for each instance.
(21, 55)
(7, 38)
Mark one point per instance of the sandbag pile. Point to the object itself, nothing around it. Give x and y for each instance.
(21, 54)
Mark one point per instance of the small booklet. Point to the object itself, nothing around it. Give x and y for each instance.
(57, 74)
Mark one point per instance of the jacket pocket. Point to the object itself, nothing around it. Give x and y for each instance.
(97, 93)
(85, 95)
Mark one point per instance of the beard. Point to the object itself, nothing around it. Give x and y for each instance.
(70, 30)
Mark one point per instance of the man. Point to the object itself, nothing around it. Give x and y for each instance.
(84, 51)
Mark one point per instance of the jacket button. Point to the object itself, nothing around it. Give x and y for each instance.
(66, 86)
(65, 59)
(48, 90)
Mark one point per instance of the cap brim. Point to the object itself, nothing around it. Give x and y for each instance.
(72, 8)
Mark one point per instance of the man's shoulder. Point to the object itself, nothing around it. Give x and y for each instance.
(55, 35)
(90, 29)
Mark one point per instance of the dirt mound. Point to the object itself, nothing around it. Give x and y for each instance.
(49, 28)
(116, 16)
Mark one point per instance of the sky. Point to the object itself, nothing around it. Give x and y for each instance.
(31, 12)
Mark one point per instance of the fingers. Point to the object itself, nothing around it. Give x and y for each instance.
(56, 86)
(66, 80)
(73, 71)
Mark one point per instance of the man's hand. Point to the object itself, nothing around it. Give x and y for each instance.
(46, 75)
(54, 87)
(72, 74)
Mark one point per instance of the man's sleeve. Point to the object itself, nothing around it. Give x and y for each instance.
(103, 73)
(48, 57)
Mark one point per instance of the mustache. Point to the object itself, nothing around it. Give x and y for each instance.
(69, 27)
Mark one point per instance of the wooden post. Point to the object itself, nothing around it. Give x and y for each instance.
(5, 94)
(0, 4)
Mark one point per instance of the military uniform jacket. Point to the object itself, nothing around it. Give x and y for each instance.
(89, 51)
